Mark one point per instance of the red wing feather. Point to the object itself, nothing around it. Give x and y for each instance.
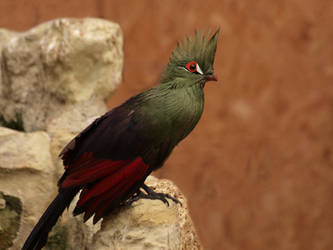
(105, 183)
(87, 169)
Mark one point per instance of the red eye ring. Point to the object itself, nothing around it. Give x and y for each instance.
(191, 66)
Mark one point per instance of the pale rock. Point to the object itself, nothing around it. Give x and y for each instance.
(61, 62)
(27, 172)
(5, 36)
(2, 203)
(25, 151)
(81, 234)
(149, 224)
(10, 217)
(70, 122)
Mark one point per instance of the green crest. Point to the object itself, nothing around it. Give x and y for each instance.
(200, 48)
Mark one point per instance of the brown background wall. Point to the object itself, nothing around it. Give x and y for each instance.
(258, 169)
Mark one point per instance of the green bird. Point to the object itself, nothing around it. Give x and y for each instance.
(110, 159)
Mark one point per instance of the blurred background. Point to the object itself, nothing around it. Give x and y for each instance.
(258, 168)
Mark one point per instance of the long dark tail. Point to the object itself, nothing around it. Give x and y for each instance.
(38, 237)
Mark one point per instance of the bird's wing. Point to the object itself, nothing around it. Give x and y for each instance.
(105, 183)
(68, 152)
(105, 161)
(115, 135)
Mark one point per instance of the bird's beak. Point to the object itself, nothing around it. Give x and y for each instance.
(211, 77)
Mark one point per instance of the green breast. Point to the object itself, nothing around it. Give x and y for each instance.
(171, 114)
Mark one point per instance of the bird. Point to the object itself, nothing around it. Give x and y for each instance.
(107, 163)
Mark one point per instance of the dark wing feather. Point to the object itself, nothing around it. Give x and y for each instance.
(67, 153)
(115, 135)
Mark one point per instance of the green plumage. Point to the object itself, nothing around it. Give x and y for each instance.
(171, 110)
(170, 113)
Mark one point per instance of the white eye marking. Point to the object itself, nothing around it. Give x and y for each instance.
(193, 67)
(199, 70)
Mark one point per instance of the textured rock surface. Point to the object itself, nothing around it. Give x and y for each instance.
(57, 76)
(25, 151)
(149, 224)
(10, 218)
(61, 62)
(27, 172)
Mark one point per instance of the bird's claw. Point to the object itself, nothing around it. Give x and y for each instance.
(159, 196)
(152, 195)
(175, 200)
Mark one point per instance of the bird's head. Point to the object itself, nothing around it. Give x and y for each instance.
(192, 62)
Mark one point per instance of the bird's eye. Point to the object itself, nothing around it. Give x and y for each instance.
(191, 66)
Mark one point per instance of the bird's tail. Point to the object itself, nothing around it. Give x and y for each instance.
(38, 237)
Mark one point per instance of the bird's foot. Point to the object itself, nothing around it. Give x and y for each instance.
(152, 195)
(137, 196)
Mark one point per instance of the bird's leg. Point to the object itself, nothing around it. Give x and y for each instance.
(158, 196)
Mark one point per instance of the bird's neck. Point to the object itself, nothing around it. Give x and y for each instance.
(174, 112)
